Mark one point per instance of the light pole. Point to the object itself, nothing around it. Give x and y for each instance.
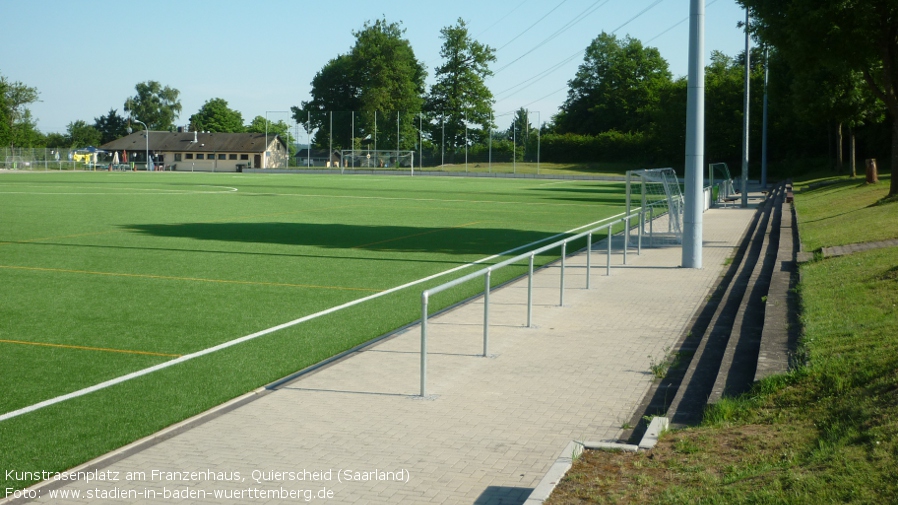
(147, 131)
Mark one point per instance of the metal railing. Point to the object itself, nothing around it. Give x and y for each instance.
(486, 273)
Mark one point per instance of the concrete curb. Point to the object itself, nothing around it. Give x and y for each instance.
(574, 449)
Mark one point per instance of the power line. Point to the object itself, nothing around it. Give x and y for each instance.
(579, 17)
(500, 19)
(578, 53)
(531, 26)
(712, 2)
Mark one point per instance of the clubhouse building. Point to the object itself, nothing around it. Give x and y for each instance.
(201, 152)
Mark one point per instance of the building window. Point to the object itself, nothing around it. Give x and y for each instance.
(199, 156)
(188, 156)
(177, 157)
(222, 156)
(232, 156)
(244, 156)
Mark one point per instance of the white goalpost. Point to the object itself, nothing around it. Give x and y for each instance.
(370, 159)
(659, 193)
(719, 173)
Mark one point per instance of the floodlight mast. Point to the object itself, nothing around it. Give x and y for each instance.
(695, 134)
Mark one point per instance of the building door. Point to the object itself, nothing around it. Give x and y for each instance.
(257, 161)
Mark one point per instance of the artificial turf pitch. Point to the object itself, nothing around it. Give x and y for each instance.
(104, 274)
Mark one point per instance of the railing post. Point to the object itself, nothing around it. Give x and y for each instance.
(563, 254)
(608, 266)
(626, 237)
(486, 312)
(639, 233)
(424, 344)
(588, 257)
(530, 294)
(651, 226)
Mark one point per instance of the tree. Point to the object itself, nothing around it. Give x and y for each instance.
(843, 35)
(334, 88)
(111, 126)
(81, 134)
(520, 128)
(215, 116)
(18, 128)
(380, 75)
(275, 128)
(155, 105)
(460, 94)
(616, 87)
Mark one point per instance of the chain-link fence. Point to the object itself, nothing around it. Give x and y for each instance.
(50, 158)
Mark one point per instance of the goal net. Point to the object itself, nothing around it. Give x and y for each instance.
(658, 191)
(721, 183)
(365, 159)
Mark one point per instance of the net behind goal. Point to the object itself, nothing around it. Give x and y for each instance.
(365, 159)
(658, 191)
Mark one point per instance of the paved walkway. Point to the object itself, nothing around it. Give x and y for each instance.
(493, 425)
(842, 250)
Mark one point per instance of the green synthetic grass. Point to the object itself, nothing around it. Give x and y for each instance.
(827, 432)
(175, 263)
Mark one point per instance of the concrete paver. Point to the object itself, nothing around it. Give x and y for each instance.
(490, 428)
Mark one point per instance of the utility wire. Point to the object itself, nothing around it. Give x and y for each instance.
(533, 80)
(712, 2)
(531, 26)
(488, 28)
(580, 17)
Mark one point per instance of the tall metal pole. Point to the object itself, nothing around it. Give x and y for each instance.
(330, 141)
(309, 139)
(420, 139)
(539, 121)
(695, 135)
(745, 117)
(764, 128)
(443, 142)
(466, 141)
(490, 130)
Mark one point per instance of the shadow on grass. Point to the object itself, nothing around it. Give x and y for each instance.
(460, 239)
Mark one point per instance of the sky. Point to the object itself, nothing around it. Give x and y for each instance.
(85, 57)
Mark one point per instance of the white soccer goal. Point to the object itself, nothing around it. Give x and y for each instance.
(658, 191)
(719, 175)
(366, 159)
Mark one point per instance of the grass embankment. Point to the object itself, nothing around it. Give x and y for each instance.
(826, 432)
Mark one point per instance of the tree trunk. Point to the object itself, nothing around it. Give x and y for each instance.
(853, 153)
(840, 156)
(893, 186)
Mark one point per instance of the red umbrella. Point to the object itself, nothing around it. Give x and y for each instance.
(124, 156)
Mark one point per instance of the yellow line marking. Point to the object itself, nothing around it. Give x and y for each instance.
(173, 278)
(90, 348)
(416, 235)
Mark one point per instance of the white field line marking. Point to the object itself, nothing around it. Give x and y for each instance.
(454, 200)
(230, 343)
(144, 191)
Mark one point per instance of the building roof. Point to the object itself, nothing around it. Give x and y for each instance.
(184, 142)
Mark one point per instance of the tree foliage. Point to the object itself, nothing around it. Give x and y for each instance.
(617, 86)
(215, 116)
(840, 35)
(380, 73)
(155, 105)
(81, 134)
(111, 126)
(17, 128)
(460, 94)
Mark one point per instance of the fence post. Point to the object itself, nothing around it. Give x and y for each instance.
(651, 226)
(608, 266)
(563, 254)
(626, 237)
(639, 233)
(530, 294)
(486, 312)
(424, 344)
(588, 257)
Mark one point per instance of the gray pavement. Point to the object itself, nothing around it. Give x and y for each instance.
(491, 427)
